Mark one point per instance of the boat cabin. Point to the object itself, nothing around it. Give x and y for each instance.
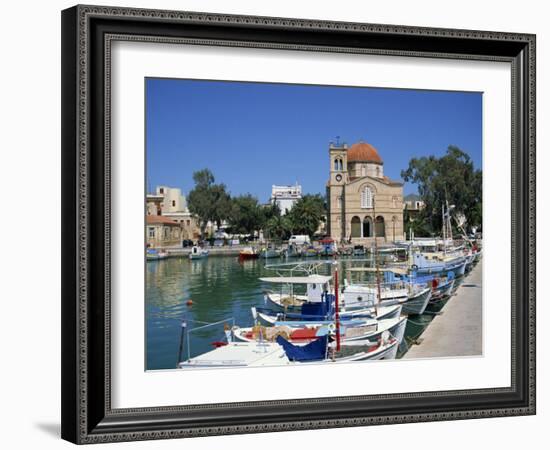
(315, 285)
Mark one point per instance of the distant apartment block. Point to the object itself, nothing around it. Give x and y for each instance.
(285, 196)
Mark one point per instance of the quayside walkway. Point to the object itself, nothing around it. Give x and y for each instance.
(456, 332)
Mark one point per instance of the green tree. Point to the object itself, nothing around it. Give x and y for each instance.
(209, 202)
(278, 228)
(307, 214)
(451, 178)
(270, 211)
(247, 215)
(222, 204)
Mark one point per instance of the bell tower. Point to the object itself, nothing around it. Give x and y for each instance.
(336, 189)
(338, 163)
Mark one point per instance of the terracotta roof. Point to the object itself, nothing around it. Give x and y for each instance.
(363, 152)
(160, 219)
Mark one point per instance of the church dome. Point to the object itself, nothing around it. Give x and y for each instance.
(363, 152)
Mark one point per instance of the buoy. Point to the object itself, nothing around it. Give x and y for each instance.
(189, 302)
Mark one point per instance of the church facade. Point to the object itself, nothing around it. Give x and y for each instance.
(362, 201)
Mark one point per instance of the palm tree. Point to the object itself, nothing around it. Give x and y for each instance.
(307, 214)
(278, 227)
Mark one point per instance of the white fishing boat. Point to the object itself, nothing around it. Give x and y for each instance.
(304, 332)
(286, 298)
(284, 353)
(270, 252)
(198, 253)
(270, 317)
(153, 254)
(414, 297)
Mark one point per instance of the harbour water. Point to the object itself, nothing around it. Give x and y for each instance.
(211, 290)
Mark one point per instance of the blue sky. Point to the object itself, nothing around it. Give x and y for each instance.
(253, 135)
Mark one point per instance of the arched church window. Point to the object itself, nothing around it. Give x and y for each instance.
(367, 227)
(336, 164)
(380, 227)
(366, 197)
(355, 227)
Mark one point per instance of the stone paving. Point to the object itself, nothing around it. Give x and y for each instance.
(458, 331)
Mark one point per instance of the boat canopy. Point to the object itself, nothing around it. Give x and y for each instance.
(314, 351)
(311, 279)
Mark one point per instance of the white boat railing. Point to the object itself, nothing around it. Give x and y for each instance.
(202, 327)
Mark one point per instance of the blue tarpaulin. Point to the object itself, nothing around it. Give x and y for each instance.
(313, 351)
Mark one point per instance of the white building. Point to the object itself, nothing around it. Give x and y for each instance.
(285, 196)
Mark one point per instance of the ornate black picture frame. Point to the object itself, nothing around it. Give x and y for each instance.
(87, 33)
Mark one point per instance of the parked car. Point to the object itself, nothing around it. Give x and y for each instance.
(187, 243)
(299, 239)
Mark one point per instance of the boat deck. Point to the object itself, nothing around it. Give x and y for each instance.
(240, 354)
(458, 331)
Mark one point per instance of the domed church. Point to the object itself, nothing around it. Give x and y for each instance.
(362, 201)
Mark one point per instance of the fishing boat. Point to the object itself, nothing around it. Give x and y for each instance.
(477, 255)
(287, 299)
(292, 251)
(329, 247)
(413, 296)
(438, 263)
(270, 252)
(442, 287)
(198, 253)
(303, 333)
(248, 253)
(310, 252)
(267, 316)
(153, 254)
(284, 353)
(316, 288)
(469, 256)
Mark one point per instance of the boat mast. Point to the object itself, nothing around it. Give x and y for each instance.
(337, 314)
(444, 229)
(376, 256)
(182, 337)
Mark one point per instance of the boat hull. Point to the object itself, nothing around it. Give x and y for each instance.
(442, 269)
(442, 291)
(247, 354)
(269, 318)
(417, 304)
